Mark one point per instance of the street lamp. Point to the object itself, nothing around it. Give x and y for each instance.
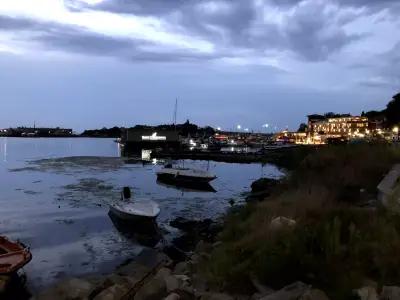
(239, 127)
(396, 132)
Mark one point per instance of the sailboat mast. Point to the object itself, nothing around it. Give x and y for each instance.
(175, 111)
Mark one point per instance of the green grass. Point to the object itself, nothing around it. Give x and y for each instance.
(335, 245)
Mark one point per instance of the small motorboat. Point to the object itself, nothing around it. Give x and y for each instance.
(137, 211)
(184, 175)
(13, 256)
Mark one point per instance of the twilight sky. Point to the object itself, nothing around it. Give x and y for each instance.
(93, 63)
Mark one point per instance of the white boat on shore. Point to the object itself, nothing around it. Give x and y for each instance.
(185, 175)
(138, 210)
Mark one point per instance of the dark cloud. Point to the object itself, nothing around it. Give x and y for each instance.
(385, 69)
(56, 37)
(84, 42)
(15, 24)
(391, 66)
(312, 32)
(137, 7)
(74, 40)
(315, 33)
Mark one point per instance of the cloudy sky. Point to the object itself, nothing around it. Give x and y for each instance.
(93, 63)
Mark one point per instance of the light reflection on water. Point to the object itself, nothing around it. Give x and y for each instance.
(55, 194)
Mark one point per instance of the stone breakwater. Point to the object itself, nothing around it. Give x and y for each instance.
(153, 276)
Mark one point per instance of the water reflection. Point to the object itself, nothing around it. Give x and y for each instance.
(5, 150)
(188, 186)
(55, 195)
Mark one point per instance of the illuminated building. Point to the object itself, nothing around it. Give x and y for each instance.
(135, 140)
(322, 128)
(291, 137)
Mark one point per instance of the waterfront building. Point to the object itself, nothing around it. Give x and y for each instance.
(291, 137)
(322, 128)
(136, 140)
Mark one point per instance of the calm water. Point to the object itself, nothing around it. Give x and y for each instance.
(55, 194)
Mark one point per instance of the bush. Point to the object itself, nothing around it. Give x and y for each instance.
(335, 245)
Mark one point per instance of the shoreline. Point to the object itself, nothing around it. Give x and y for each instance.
(174, 264)
(286, 158)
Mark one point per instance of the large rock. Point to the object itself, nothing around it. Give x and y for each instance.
(144, 263)
(199, 284)
(173, 296)
(264, 185)
(4, 283)
(72, 289)
(126, 282)
(390, 293)
(155, 288)
(172, 283)
(115, 292)
(282, 222)
(216, 296)
(181, 268)
(262, 188)
(290, 292)
(315, 294)
(366, 293)
(261, 289)
(194, 231)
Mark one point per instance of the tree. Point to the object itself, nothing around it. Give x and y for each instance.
(302, 128)
(393, 111)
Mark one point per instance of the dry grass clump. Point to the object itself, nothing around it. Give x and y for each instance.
(334, 245)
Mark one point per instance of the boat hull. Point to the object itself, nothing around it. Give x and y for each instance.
(166, 177)
(131, 218)
(13, 256)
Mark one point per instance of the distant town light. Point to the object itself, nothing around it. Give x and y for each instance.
(154, 137)
(265, 125)
(239, 127)
(246, 129)
(396, 129)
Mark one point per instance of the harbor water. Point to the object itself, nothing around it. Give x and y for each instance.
(55, 195)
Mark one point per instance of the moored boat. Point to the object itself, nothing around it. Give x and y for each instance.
(13, 256)
(184, 175)
(137, 211)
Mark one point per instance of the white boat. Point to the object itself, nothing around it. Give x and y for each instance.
(136, 211)
(185, 175)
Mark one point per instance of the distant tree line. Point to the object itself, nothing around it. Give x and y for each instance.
(391, 114)
(185, 129)
(114, 132)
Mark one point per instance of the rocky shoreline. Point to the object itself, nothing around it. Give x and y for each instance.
(175, 271)
(154, 276)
